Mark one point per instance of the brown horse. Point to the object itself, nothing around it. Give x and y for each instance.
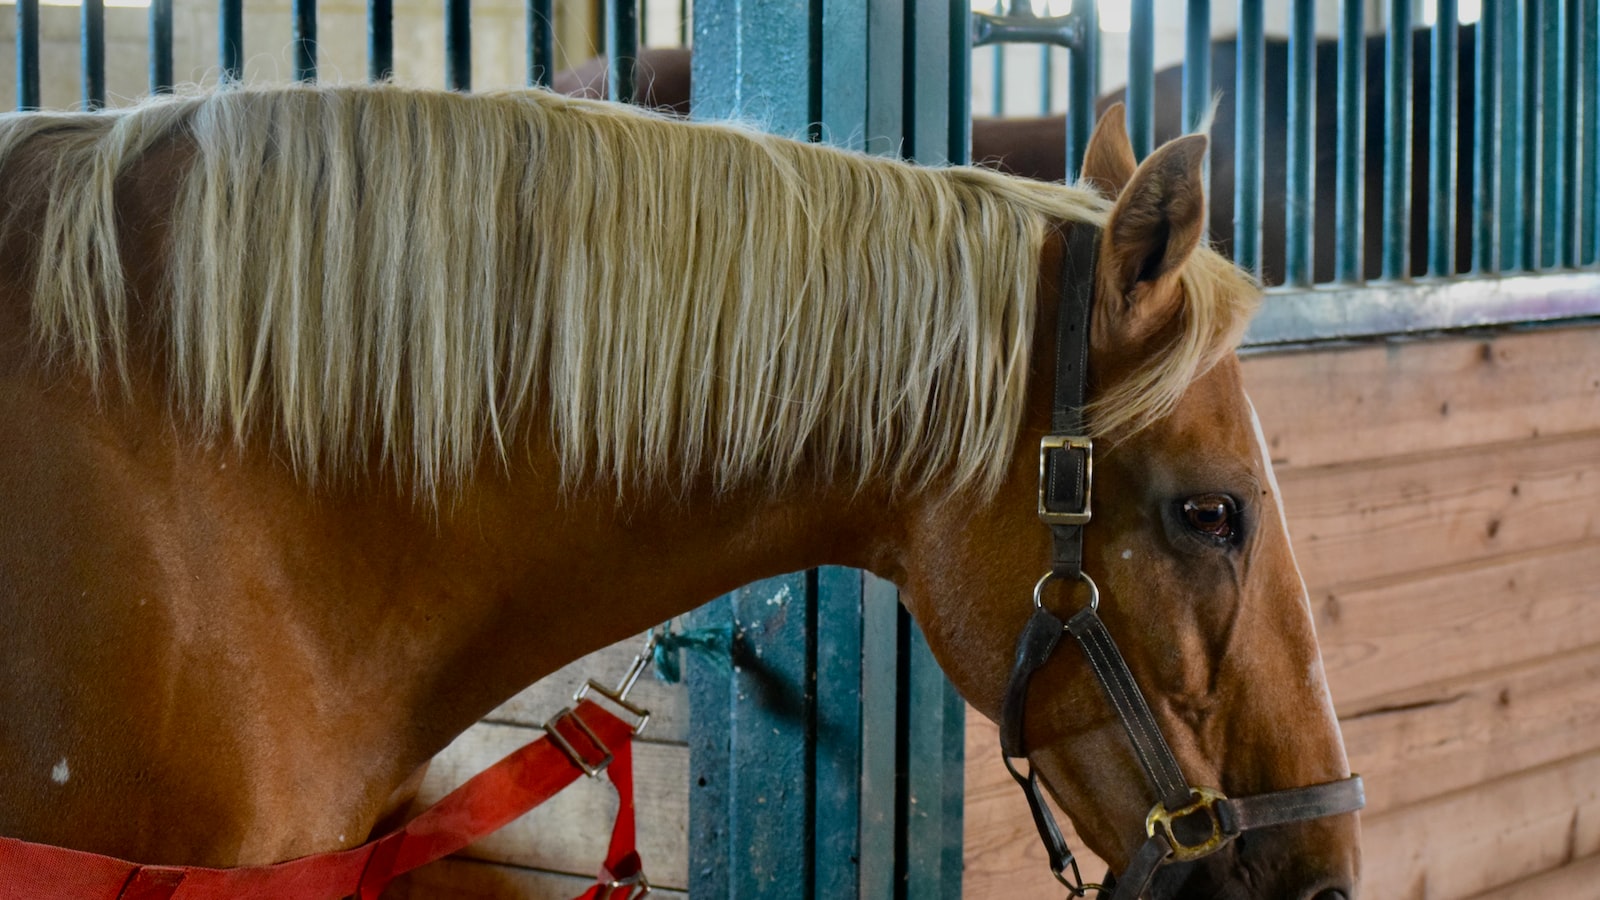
(334, 417)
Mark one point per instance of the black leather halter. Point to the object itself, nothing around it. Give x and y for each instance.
(1206, 820)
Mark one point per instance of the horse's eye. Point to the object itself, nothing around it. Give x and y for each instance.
(1214, 516)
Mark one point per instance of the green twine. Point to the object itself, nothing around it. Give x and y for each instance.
(714, 644)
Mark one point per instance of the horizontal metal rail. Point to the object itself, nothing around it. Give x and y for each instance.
(1341, 312)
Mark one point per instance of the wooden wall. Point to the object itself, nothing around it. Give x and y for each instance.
(1444, 502)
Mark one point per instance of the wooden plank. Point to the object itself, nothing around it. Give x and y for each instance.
(466, 879)
(1452, 736)
(1355, 523)
(1385, 400)
(1393, 637)
(570, 832)
(1578, 880)
(1495, 834)
(668, 703)
(1003, 854)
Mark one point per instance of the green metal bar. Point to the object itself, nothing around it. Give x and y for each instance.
(1530, 132)
(161, 47)
(1141, 76)
(92, 45)
(1397, 143)
(880, 738)
(305, 40)
(837, 855)
(997, 92)
(1300, 196)
(1485, 128)
(1349, 159)
(622, 50)
(844, 73)
(458, 45)
(924, 810)
(1442, 142)
(380, 40)
(1591, 134)
(959, 38)
(541, 42)
(1552, 135)
(230, 39)
(27, 54)
(1196, 63)
(1515, 180)
(1571, 228)
(1083, 85)
(1248, 124)
(927, 138)
(1047, 81)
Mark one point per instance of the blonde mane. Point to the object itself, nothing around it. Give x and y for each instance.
(430, 275)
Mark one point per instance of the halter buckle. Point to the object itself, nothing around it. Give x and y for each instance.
(1052, 451)
(1206, 800)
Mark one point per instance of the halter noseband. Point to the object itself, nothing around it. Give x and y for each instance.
(1066, 472)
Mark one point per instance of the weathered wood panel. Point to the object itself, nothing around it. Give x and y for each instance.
(1388, 400)
(1418, 513)
(1579, 880)
(1476, 840)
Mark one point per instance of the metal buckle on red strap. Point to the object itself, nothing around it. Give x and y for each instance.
(632, 888)
(592, 766)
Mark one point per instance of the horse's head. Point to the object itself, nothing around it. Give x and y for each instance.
(1197, 582)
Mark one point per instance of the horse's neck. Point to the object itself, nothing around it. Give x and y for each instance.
(296, 654)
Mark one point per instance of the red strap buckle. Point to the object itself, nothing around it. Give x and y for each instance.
(592, 765)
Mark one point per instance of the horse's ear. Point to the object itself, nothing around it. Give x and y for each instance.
(1108, 161)
(1154, 227)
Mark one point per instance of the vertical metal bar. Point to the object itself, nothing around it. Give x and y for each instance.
(230, 39)
(1247, 139)
(1552, 135)
(1349, 160)
(1485, 139)
(998, 88)
(1533, 186)
(622, 50)
(161, 47)
(1047, 80)
(380, 40)
(1397, 143)
(1083, 84)
(92, 47)
(1300, 210)
(880, 736)
(305, 40)
(541, 42)
(959, 39)
(1514, 180)
(1141, 76)
(1591, 134)
(458, 45)
(1196, 63)
(1571, 228)
(1442, 142)
(840, 724)
(27, 54)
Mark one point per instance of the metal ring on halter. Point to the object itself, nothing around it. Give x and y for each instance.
(1094, 589)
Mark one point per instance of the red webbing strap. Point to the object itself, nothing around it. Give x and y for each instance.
(488, 801)
(622, 863)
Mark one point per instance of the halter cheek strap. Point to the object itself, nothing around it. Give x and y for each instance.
(1066, 473)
